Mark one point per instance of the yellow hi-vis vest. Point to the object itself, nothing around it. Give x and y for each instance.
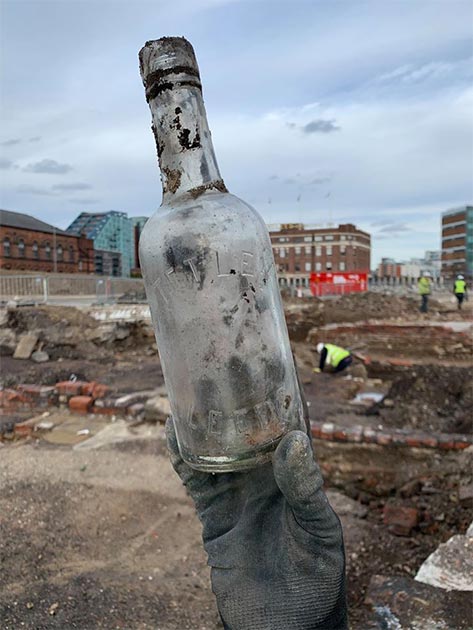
(335, 354)
(460, 286)
(424, 286)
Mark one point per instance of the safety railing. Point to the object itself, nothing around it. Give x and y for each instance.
(51, 287)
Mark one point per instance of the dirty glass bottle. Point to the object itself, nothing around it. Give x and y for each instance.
(211, 284)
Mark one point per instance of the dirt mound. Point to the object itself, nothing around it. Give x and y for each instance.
(69, 333)
(358, 307)
(303, 315)
(432, 397)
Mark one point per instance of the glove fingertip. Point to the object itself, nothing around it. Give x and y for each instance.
(295, 469)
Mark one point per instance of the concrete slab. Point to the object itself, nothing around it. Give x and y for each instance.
(26, 345)
(450, 566)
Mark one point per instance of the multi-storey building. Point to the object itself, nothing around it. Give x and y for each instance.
(300, 250)
(457, 241)
(110, 232)
(389, 268)
(28, 244)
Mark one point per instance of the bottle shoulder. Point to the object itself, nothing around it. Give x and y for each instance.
(212, 212)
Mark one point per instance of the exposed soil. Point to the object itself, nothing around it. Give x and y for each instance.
(110, 535)
(437, 398)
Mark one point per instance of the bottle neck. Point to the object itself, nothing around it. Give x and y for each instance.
(186, 155)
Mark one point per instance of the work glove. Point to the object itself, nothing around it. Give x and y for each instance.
(274, 544)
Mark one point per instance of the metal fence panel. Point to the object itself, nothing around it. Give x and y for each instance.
(53, 287)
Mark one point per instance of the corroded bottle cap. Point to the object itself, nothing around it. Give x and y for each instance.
(167, 63)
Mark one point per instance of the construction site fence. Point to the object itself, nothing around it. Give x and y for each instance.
(329, 288)
(43, 288)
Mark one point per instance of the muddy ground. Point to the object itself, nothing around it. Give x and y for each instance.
(107, 538)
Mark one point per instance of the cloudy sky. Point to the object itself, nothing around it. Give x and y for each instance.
(321, 111)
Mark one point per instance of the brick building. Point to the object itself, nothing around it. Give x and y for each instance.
(299, 251)
(389, 268)
(457, 242)
(28, 244)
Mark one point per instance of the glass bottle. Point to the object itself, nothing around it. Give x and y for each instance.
(211, 285)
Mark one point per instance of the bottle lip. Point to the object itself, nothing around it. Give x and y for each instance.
(166, 63)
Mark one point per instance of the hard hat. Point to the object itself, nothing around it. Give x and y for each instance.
(320, 347)
(460, 277)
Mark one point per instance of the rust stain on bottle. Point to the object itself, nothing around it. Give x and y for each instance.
(173, 179)
(199, 190)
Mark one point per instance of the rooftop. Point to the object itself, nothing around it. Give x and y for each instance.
(22, 221)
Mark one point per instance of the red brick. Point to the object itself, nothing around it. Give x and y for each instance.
(400, 520)
(446, 443)
(369, 436)
(460, 445)
(96, 390)
(401, 362)
(354, 434)
(80, 404)
(23, 429)
(429, 441)
(11, 399)
(326, 430)
(340, 434)
(316, 430)
(383, 438)
(414, 440)
(399, 438)
(70, 388)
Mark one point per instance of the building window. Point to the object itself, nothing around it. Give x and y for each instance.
(308, 266)
(308, 249)
(328, 250)
(298, 250)
(329, 237)
(318, 266)
(343, 249)
(71, 253)
(307, 239)
(6, 247)
(98, 263)
(318, 250)
(328, 266)
(60, 253)
(318, 238)
(47, 251)
(342, 266)
(297, 267)
(21, 248)
(343, 237)
(282, 252)
(35, 249)
(115, 266)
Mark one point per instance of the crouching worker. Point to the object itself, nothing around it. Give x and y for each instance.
(333, 356)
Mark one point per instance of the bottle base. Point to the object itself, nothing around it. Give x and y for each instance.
(224, 464)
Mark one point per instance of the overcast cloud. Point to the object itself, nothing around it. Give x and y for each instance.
(320, 111)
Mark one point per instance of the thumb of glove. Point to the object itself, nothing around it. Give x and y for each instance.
(300, 480)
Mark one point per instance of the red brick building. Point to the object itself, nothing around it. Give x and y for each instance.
(299, 251)
(457, 242)
(28, 244)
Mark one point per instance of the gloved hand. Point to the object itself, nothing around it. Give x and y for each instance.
(316, 370)
(274, 544)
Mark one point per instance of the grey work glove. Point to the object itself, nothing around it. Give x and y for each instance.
(274, 544)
